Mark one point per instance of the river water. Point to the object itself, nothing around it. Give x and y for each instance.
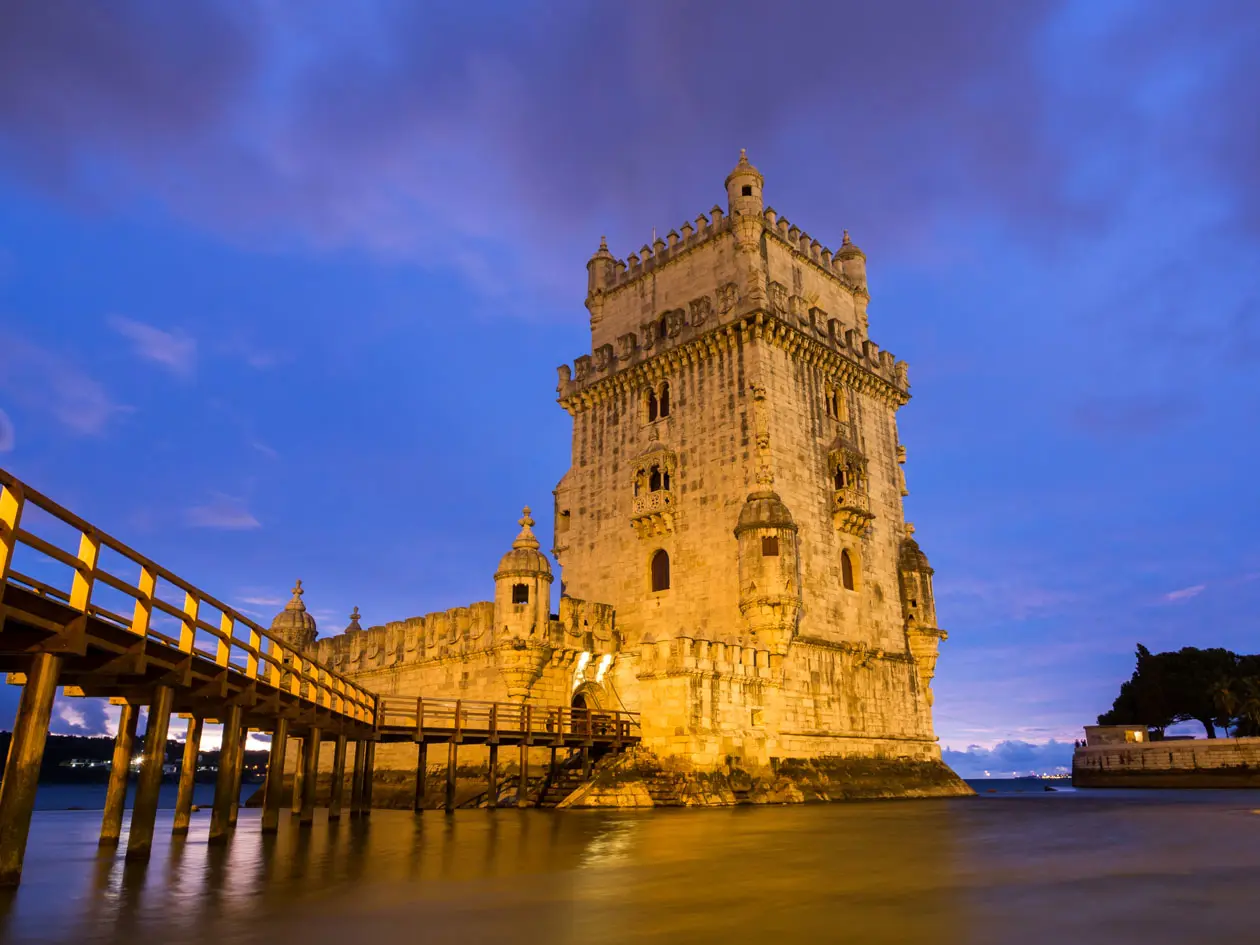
(1066, 867)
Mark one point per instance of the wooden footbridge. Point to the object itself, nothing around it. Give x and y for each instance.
(64, 623)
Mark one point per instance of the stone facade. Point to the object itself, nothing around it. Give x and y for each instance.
(1170, 763)
(733, 504)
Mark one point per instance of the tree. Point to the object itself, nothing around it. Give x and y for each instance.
(1190, 683)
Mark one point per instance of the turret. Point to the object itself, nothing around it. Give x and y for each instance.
(743, 189)
(293, 625)
(852, 261)
(769, 571)
(918, 604)
(600, 269)
(522, 611)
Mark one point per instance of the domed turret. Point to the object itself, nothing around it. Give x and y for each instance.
(522, 611)
(769, 578)
(600, 269)
(917, 600)
(743, 189)
(293, 625)
(852, 261)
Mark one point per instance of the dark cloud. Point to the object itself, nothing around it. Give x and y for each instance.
(1010, 758)
(499, 139)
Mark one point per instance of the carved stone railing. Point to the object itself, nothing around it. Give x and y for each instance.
(653, 513)
(851, 509)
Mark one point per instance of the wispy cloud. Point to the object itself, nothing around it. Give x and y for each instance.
(263, 448)
(54, 385)
(1185, 593)
(222, 511)
(263, 601)
(8, 438)
(174, 351)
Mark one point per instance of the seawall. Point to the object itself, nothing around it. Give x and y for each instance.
(1193, 763)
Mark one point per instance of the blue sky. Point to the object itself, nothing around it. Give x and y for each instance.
(283, 287)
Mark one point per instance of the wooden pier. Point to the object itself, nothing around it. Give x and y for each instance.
(63, 624)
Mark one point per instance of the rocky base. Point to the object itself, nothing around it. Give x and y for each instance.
(640, 779)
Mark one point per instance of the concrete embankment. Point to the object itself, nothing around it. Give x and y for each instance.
(1192, 763)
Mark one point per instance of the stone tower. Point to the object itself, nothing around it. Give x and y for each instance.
(735, 494)
(522, 611)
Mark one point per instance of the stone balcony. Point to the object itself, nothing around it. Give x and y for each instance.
(851, 509)
(653, 513)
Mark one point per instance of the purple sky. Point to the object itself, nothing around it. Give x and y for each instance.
(283, 286)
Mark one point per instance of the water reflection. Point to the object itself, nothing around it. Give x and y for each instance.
(1152, 869)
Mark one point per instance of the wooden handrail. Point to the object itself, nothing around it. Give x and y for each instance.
(310, 680)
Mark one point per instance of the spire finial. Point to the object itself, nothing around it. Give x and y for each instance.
(743, 159)
(354, 614)
(526, 538)
(847, 241)
(526, 521)
(910, 529)
(603, 243)
(297, 590)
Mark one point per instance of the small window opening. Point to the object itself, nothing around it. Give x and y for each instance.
(914, 603)
(662, 328)
(747, 190)
(562, 523)
(520, 593)
(846, 570)
(651, 405)
(660, 570)
(770, 546)
(664, 399)
(655, 480)
(842, 478)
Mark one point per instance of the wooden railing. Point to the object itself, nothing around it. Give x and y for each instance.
(256, 654)
(446, 719)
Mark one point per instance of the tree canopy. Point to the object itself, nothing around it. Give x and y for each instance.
(1213, 687)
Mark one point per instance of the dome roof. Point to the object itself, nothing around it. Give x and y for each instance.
(912, 557)
(294, 625)
(764, 510)
(744, 169)
(848, 248)
(524, 559)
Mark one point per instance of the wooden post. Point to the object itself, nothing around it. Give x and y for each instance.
(275, 777)
(187, 777)
(298, 771)
(144, 809)
(492, 784)
(310, 777)
(119, 769)
(238, 773)
(422, 771)
(229, 751)
(21, 771)
(369, 773)
(586, 748)
(356, 778)
(522, 785)
(338, 779)
(452, 756)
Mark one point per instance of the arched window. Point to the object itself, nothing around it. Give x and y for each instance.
(651, 405)
(846, 570)
(520, 593)
(842, 478)
(769, 546)
(664, 399)
(660, 570)
(654, 479)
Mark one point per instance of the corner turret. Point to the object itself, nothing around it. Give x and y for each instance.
(522, 610)
(918, 604)
(293, 625)
(743, 189)
(852, 261)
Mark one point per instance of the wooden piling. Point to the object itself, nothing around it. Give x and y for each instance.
(144, 808)
(522, 784)
(229, 751)
(21, 770)
(422, 772)
(187, 776)
(356, 778)
(238, 773)
(296, 803)
(338, 779)
(369, 775)
(492, 784)
(310, 777)
(119, 769)
(452, 757)
(275, 777)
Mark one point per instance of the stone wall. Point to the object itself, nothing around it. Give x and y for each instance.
(1189, 763)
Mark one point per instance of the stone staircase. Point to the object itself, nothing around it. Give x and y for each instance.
(566, 779)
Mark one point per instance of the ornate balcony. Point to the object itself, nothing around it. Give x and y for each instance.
(851, 509)
(653, 513)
